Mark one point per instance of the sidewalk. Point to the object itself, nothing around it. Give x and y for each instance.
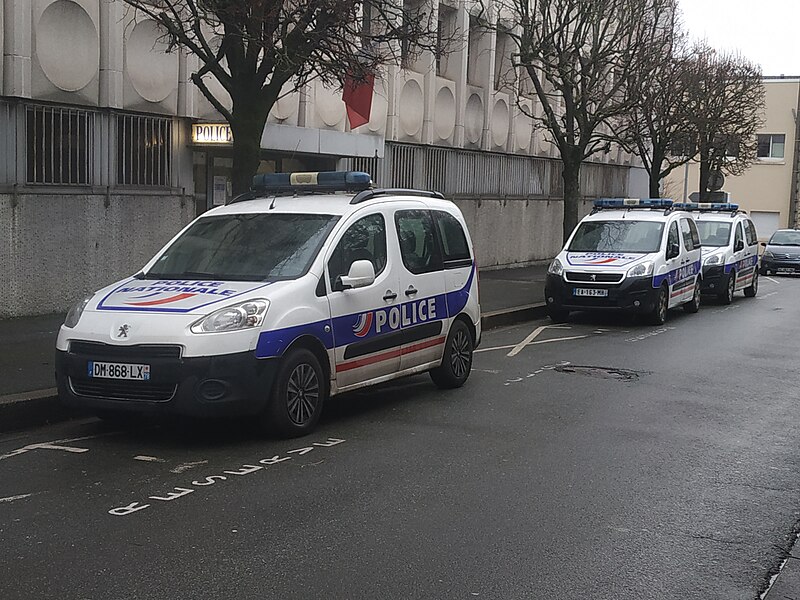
(27, 344)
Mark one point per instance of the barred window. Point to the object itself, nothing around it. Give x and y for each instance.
(144, 155)
(60, 143)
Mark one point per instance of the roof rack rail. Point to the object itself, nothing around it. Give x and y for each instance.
(371, 193)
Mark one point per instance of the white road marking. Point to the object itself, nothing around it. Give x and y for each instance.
(772, 280)
(561, 339)
(187, 466)
(148, 458)
(12, 498)
(56, 445)
(533, 335)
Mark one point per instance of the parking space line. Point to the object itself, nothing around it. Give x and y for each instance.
(56, 445)
(12, 498)
(772, 280)
(535, 343)
(532, 336)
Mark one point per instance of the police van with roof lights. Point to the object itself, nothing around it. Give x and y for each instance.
(641, 256)
(311, 284)
(730, 249)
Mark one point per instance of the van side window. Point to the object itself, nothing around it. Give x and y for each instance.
(695, 233)
(455, 250)
(672, 237)
(750, 232)
(364, 240)
(418, 245)
(739, 237)
(686, 231)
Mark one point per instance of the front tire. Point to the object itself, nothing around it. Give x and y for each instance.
(659, 314)
(297, 396)
(726, 297)
(752, 290)
(457, 360)
(694, 304)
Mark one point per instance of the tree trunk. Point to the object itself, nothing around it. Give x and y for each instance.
(247, 127)
(655, 174)
(571, 175)
(705, 175)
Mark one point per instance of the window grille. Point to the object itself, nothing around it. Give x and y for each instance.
(59, 145)
(144, 150)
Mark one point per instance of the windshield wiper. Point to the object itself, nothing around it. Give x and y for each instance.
(183, 275)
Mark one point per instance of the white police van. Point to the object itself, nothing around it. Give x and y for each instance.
(287, 295)
(730, 249)
(634, 255)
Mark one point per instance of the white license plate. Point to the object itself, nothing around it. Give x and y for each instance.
(106, 370)
(590, 292)
(786, 270)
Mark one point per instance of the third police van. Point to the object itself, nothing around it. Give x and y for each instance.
(641, 256)
(730, 249)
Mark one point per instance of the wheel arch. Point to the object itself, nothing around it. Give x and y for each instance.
(316, 347)
(470, 325)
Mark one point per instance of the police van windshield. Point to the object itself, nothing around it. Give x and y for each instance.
(617, 236)
(713, 233)
(250, 247)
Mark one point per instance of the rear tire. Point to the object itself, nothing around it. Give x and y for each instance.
(297, 396)
(752, 290)
(659, 314)
(694, 304)
(457, 360)
(726, 297)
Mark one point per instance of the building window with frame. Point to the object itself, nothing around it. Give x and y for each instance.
(59, 145)
(771, 145)
(144, 150)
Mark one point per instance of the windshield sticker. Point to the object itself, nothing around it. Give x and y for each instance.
(599, 259)
(173, 295)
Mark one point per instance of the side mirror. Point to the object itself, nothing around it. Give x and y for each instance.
(673, 250)
(764, 244)
(361, 274)
(738, 246)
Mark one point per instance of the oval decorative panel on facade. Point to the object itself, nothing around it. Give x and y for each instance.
(473, 119)
(411, 109)
(67, 46)
(329, 105)
(500, 123)
(445, 113)
(152, 71)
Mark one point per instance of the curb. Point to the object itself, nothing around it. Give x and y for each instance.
(512, 316)
(41, 407)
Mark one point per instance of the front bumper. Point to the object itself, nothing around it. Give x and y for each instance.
(777, 265)
(714, 280)
(229, 384)
(634, 294)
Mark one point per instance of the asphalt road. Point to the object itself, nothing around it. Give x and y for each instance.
(674, 475)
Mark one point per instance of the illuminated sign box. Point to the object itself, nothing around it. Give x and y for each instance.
(211, 133)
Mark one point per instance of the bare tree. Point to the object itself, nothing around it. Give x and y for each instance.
(726, 112)
(273, 47)
(658, 126)
(579, 55)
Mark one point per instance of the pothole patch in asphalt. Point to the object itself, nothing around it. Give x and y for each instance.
(600, 372)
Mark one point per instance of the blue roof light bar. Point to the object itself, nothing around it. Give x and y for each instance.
(329, 181)
(707, 206)
(632, 203)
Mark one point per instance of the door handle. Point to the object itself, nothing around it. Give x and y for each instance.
(389, 296)
(411, 291)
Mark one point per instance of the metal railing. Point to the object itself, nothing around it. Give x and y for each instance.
(59, 145)
(144, 150)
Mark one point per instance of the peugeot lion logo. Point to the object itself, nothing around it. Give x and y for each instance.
(593, 277)
(123, 331)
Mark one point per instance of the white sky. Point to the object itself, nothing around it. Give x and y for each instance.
(765, 31)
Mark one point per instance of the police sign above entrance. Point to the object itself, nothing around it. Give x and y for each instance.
(211, 133)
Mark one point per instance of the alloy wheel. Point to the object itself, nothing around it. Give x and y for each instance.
(460, 354)
(302, 394)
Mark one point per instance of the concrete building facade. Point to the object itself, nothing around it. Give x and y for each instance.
(109, 149)
(768, 190)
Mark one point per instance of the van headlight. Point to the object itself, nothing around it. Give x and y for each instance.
(768, 255)
(642, 269)
(244, 315)
(714, 259)
(74, 314)
(555, 268)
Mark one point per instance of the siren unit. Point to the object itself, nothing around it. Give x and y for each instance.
(632, 203)
(308, 183)
(708, 207)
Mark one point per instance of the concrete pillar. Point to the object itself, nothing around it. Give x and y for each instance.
(428, 65)
(17, 48)
(459, 57)
(111, 54)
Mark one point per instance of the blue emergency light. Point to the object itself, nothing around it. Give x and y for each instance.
(632, 203)
(329, 181)
(707, 206)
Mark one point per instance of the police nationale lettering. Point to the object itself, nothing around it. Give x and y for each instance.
(406, 315)
(190, 287)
